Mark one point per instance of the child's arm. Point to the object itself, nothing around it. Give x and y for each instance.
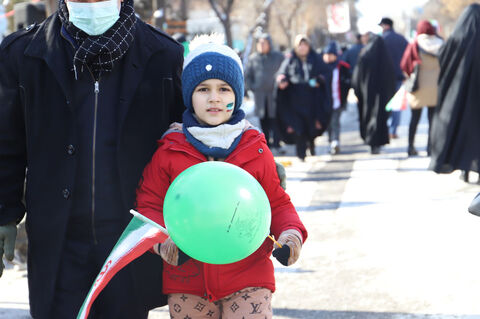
(284, 215)
(153, 187)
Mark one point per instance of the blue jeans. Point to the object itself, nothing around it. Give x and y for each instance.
(395, 115)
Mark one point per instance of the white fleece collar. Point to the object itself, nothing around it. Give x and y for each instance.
(221, 136)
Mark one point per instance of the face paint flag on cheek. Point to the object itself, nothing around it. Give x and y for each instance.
(230, 107)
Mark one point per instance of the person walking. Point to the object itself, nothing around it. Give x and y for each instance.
(84, 97)
(351, 55)
(339, 92)
(455, 131)
(260, 79)
(396, 45)
(303, 103)
(214, 129)
(422, 53)
(373, 81)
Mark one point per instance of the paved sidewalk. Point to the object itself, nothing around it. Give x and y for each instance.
(388, 239)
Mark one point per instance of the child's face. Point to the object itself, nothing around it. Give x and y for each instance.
(213, 102)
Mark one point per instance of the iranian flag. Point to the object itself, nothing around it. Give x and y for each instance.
(139, 236)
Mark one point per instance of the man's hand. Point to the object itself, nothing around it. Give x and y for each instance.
(170, 253)
(8, 234)
(291, 241)
(282, 175)
(282, 81)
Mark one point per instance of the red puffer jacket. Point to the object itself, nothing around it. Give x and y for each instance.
(173, 156)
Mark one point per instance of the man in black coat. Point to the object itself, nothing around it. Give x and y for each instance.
(82, 105)
(396, 45)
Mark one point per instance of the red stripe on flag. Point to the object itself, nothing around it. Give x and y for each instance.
(110, 270)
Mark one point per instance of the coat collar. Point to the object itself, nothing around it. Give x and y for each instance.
(49, 45)
(251, 146)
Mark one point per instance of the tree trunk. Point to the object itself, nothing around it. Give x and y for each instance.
(224, 17)
(51, 6)
(228, 32)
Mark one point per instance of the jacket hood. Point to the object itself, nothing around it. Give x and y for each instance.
(429, 43)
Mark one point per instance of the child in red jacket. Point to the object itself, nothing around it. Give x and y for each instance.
(214, 128)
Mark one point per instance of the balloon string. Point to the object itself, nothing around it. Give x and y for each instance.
(276, 242)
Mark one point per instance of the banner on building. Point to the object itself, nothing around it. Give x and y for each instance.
(338, 17)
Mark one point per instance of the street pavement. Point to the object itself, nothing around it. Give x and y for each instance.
(388, 239)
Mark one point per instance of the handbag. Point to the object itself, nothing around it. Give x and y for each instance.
(411, 83)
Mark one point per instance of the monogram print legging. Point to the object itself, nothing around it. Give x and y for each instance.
(248, 303)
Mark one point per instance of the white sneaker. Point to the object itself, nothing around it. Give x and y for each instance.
(334, 147)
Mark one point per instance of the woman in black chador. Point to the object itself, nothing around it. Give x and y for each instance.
(303, 104)
(455, 134)
(373, 81)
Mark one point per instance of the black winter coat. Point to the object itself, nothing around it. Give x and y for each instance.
(373, 81)
(37, 132)
(300, 105)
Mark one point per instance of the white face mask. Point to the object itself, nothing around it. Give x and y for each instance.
(94, 18)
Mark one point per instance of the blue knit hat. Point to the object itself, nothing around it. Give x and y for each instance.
(332, 48)
(210, 60)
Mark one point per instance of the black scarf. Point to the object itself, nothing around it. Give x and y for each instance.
(99, 53)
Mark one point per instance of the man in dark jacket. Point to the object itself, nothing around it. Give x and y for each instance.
(396, 45)
(82, 104)
(351, 55)
(260, 79)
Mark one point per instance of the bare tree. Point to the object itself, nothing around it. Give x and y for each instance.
(223, 9)
(261, 24)
(286, 21)
(51, 6)
(446, 12)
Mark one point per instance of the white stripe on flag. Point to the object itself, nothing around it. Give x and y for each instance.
(139, 236)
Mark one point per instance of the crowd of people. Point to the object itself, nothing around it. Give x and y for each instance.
(86, 113)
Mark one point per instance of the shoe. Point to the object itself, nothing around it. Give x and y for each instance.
(375, 150)
(279, 150)
(465, 176)
(412, 151)
(393, 136)
(334, 148)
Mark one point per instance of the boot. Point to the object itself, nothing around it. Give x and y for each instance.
(412, 151)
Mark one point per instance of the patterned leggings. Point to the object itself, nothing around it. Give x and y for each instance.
(248, 303)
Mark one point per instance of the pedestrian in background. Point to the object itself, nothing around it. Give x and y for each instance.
(303, 102)
(351, 55)
(340, 75)
(422, 54)
(260, 79)
(214, 128)
(84, 97)
(396, 45)
(455, 131)
(373, 81)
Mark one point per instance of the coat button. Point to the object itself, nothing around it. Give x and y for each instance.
(67, 101)
(66, 193)
(260, 150)
(70, 149)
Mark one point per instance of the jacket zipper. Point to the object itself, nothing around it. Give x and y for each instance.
(94, 143)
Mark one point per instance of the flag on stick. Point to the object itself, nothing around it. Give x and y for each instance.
(139, 236)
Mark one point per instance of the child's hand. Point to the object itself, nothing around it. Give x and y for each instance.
(170, 253)
(291, 242)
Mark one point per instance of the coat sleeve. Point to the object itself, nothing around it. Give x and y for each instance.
(176, 106)
(152, 188)
(249, 85)
(12, 142)
(284, 215)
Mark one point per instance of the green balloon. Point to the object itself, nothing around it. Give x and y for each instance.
(217, 212)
